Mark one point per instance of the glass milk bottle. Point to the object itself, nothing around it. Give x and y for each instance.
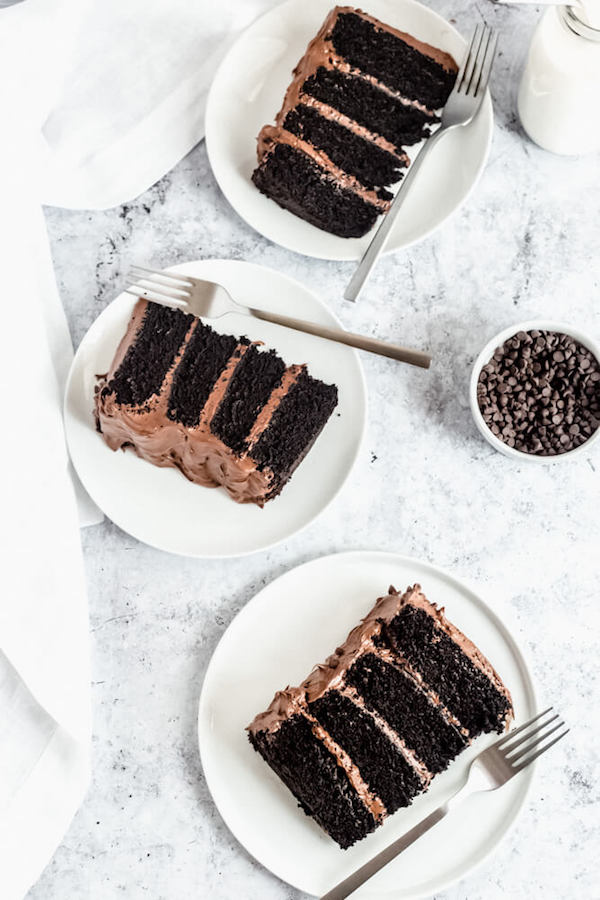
(559, 96)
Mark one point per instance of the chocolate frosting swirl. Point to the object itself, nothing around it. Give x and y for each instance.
(202, 456)
(332, 672)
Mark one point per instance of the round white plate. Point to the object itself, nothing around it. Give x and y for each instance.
(248, 90)
(293, 623)
(160, 506)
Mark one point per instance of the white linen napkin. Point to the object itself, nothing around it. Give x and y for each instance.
(98, 99)
(44, 655)
(45, 721)
(106, 146)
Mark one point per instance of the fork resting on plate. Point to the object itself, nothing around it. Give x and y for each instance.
(208, 300)
(491, 769)
(462, 106)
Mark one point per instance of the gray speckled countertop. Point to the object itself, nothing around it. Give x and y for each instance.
(525, 245)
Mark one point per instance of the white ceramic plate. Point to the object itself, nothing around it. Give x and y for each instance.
(248, 90)
(293, 623)
(160, 506)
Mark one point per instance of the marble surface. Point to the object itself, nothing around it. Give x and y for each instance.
(426, 485)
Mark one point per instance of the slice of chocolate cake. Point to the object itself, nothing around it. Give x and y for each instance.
(217, 407)
(362, 92)
(391, 708)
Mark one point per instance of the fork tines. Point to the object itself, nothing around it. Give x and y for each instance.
(533, 741)
(164, 277)
(158, 286)
(475, 71)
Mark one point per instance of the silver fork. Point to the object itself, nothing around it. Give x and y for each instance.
(461, 108)
(488, 771)
(211, 301)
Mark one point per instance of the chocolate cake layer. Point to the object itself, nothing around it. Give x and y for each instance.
(461, 685)
(371, 165)
(253, 382)
(182, 395)
(375, 709)
(380, 762)
(415, 70)
(193, 383)
(389, 691)
(148, 359)
(314, 777)
(297, 421)
(298, 184)
(361, 93)
(382, 113)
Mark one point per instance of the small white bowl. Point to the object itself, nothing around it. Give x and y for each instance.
(485, 356)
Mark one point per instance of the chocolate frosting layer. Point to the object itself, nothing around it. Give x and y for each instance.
(419, 767)
(446, 60)
(334, 115)
(321, 53)
(202, 457)
(292, 701)
(271, 135)
(331, 674)
(373, 803)
(415, 597)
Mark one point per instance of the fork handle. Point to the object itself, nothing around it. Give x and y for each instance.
(380, 238)
(354, 881)
(373, 345)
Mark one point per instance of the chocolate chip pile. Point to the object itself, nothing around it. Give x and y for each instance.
(540, 393)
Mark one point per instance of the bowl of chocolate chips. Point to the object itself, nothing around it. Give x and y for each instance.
(535, 391)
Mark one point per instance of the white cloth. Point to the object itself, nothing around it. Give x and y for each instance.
(44, 655)
(133, 99)
(45, 720)
(98, 99)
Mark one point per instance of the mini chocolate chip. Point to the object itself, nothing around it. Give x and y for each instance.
(540, 392)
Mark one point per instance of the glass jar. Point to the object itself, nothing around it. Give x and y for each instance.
(559, 96)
